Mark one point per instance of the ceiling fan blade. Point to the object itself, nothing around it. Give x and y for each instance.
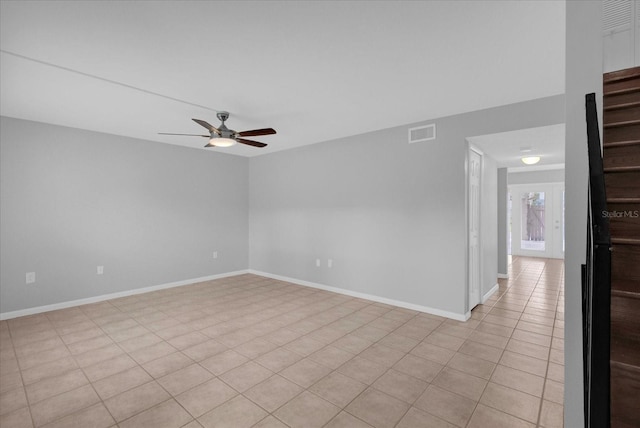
(256, 132)
(189, 135)
(250, 142)
(207, 125)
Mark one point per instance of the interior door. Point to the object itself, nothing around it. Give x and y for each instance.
(474, 172)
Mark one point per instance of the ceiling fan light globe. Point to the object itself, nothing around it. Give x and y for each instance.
(530, 160)
(222, 142)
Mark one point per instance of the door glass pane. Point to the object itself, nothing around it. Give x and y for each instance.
(563, 221)
(510, 220)
(532, 233)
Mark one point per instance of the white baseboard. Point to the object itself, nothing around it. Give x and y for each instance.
(490, 293)
(101, 298)
(503, 276)
(420, 308)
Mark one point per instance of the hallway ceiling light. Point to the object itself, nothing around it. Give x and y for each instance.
(530, 160)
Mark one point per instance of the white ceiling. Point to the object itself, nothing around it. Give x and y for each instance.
(314, 71)
(507, 147)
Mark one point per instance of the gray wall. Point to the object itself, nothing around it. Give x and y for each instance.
(390, 214)
(149, 213)
(550, 176)
(503, 225)
(583, 75)
(489, 224)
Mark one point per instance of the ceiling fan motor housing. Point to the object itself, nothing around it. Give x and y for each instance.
(223, 115)
(224, 131)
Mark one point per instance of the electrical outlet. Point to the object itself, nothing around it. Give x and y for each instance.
(30, 277)
(215, 254)
(317, 262)
(329, 262)
(100, 270)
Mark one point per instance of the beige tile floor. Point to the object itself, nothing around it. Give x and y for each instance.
(251, 351)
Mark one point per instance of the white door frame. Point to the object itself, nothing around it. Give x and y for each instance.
(552, 214)
(474, 294)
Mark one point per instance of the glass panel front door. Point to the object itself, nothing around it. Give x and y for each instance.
(536, 226)
(532, 226)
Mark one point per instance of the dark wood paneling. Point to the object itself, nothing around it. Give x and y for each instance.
(623, 97)
(624, 220)
(623, 184)
(619, 75)
(625, 393)
(625, 329)
(625, 262)
(623, 113)
(621, 133)
(623, 348)
(622, 155)
(624, 286)
(621, 137)
(621, 79)
(621, 85)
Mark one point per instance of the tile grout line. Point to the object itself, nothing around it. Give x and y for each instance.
(132, 311)
(492, 371)
(386, 371)
(544, 385)
(521, 313)
(24, 387)
(275, 373)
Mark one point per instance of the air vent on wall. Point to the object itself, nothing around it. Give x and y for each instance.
(422, 133)
(616, 14)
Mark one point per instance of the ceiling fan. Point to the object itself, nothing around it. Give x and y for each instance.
(225, 137)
